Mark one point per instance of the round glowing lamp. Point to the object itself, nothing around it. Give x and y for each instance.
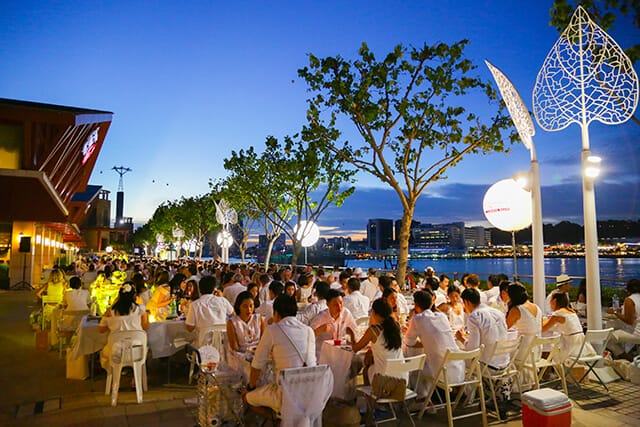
(307, 232)
(108, 249)
(507, 206)
(224, 239)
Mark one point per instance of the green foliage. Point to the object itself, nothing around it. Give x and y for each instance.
(410, 108)
(603, 12)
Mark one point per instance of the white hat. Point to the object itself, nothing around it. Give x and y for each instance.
(562, 279)
(440, 299)
(429, 269)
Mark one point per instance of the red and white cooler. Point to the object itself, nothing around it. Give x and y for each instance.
(546, 408)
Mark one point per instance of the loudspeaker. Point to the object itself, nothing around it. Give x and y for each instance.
(25, 244)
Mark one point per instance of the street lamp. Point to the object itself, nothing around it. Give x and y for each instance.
(524, 125)
(307, 233)
(586, 77)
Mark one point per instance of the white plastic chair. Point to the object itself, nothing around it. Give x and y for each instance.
(128, 348)
(215, 336)
(537, 365)
(67, 326)
(472, 378)
(305, 392)
(397, 368)
(598, 340)
(491, 375)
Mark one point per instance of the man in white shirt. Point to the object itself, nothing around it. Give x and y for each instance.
(473, 281)
(313, 309)
(368, 286)
(287, 342)
(357, 303)
(563, 284)
(485, 326)
(436, 337)
(334, 322)
(493, 284)
(443, 286)
(266, 308)
(263, 292)
(230, 292)
(208, 310)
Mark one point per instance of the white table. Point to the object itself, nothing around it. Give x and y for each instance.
(160, 338)
(339, 360)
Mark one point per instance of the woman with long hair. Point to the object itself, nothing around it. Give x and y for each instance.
(524, 316)
(124, 315)
(456, 314)
(160, 300)
(385, 337)
(566, 322)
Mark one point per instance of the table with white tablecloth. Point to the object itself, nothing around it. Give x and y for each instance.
(344, 364)
(160, 338)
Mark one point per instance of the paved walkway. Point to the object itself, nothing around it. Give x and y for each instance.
(36, 392)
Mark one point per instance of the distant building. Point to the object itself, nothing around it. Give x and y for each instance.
(439, 236)
(476, 236)
(279, 244)
(379, 233)
(398, 226)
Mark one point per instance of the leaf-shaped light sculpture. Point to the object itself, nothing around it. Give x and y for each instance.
(519, 113)
(585, 77)
(225, 214)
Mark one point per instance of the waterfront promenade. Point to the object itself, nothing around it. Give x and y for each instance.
(29, 377)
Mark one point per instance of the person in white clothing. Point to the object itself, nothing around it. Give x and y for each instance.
(263, 292)
(245, 328)
(208, 310)
(76, 299)
(472, 281)
(312, 310)
(563, 284)
(485, 326)
(266, 309)
(357, 303)
(435, 336)
(368, 287)
(626, 337)
(524, 316)
(566, 322)
(231, 291)
(334, 322)
(287, 342)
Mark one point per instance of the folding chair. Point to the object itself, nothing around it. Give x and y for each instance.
(472, 378)
(305, 392)
(49, 303)
(491, 375)
(538, 365)
(129, 348)
(598, 338)
(396, 368)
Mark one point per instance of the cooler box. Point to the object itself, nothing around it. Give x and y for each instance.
(546, 408)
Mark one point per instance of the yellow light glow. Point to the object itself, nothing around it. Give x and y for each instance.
(38, 239)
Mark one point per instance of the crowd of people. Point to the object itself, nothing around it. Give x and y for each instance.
(283, 314)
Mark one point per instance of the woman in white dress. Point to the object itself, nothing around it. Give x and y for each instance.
(525, 317)
(456, 311)
(124, 315)
(385, 337)
(245, 328)
(566, 322)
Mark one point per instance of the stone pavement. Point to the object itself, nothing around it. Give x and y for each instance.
(35, 391)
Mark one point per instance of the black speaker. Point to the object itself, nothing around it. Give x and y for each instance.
(25, 244)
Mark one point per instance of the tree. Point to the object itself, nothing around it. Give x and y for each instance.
(196, 217)
(143, 236)
(248, 212)
(293, 179)
(604, 13)
(403, 107)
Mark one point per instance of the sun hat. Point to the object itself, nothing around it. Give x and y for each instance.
(562, 279)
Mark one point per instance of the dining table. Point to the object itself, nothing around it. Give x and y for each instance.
(160, 337)
(344, 364)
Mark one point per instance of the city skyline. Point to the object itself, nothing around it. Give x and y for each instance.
(188, 84)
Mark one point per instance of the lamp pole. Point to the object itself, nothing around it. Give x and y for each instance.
(524, 125)
(586, 77)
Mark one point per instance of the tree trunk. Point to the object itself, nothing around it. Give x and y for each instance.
(267, 257)
(403, 244)
(296, 252)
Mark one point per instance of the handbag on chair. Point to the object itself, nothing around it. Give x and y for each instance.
(386, 387)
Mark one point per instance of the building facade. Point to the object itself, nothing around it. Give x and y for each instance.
(380, 234)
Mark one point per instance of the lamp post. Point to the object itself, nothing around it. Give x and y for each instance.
(586, 77)
(225, 240)
(308, 233)
(524, 125)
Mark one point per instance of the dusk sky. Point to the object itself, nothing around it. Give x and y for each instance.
(189, 81)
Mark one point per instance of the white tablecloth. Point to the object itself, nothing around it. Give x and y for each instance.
(340, 360)
(160, 337)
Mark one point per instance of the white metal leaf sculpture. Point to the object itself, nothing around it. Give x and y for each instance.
(519, 113)
(585, 77)
(225, 214)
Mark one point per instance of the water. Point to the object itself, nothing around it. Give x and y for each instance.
(613, 271)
